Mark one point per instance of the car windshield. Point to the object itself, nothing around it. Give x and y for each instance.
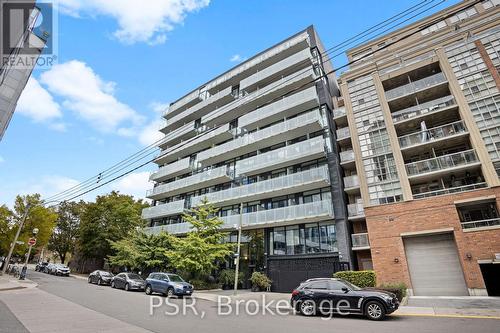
(106, 274)
(175, 278)
(134, 276)
(351, 286)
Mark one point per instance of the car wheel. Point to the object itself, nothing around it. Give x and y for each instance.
(307, 308)
(127, 287)
(113, 284)
(99, 282)
(170, 292)
(148, 290)
(90, 279)
(374, 310)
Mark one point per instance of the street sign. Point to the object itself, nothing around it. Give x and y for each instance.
(32, 241)
(19, 242)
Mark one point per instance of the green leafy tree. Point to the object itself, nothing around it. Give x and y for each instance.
(203, 247)
(109, 219)
(6, 227)
(140, 251)
(65, 234)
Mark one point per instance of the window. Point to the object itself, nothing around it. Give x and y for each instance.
(312, 238)
(336, 285)
(478, 214)
(318, 285)
(279, 241)
(328, 238)
(293, 240)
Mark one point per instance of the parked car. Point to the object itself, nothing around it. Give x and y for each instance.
(327, 295)
(128, 281)
(60, 269)
(40, 267)
(100, 277)
(49, 268)
(168, 284)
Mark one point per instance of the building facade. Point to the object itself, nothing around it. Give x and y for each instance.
(422, 106)
(13, 78)
(259, 142)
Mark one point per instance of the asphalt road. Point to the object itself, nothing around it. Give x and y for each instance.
(134, 308)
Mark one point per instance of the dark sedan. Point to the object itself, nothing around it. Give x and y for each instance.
(100, 277)
(338, 296)
(128, 281)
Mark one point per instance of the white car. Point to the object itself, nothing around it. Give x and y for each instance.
(60, 269)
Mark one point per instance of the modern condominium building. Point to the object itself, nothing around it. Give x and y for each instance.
(424, 122)
(260, 141)
(13, 77)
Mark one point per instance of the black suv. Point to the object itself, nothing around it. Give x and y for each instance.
(336, 295)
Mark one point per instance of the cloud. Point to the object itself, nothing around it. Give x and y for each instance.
(137, 21)
(150, 133)
(135, 184)
(48, 185)
(237, 58)
(37, 103)
(88, 95)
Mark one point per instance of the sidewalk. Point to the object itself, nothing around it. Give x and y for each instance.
(41, 312)
(8, 282)
(479, 307)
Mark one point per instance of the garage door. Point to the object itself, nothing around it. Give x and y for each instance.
(434, 266)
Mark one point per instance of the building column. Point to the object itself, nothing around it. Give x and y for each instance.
(489, 64)
(476, 139)
(393, 139)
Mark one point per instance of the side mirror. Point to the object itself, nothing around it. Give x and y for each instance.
(345, 290)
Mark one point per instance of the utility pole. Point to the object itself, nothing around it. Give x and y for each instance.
(7, 260)
(238, 253)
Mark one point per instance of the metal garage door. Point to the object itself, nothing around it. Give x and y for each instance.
(434, 266)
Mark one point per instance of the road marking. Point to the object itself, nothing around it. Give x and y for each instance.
(445, 316)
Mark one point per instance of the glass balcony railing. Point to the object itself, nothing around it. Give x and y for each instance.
(255, 190)
(199, 180)
(281, 157)
(175, 228)
(339, 112)
(355, 210)
(449, 190)
(432, 134)
(442, 162)
(481, 223)
(166, 209)
(171, 170)
(351, 181)
(343, 133)
(346, 156)
(424, 108)
(415, 86)
(237, 147)
(360, 240)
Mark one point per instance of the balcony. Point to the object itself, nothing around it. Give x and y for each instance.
(346, 157)
(297, 153)
(182, 104)
(171, 170)
(495, 222)
(360, 241)
(278, 69)
(442, 164)
(343, 134)
(339, 113)
(180, 134)
(355, 211)
(199, 180)
(285, 107)
(284, 185)
(423, 109)
(174, 229)
(448, 190)
(202, 141)
(351, 184)
(287, 130)
(433, 135)
(196, 111)
(416, 86)
(162, 210)
(259, 97)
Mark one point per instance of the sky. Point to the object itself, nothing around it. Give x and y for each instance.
(121, 62)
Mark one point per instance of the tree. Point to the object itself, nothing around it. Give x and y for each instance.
(109, 219)
(204, 246)
(140, 251)
(6, 234)
(65, 234)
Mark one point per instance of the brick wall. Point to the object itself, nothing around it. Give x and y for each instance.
(385, 224)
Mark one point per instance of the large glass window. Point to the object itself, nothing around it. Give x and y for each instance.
(279, 241)
(294, 240)
(328, 238)
(312, 238)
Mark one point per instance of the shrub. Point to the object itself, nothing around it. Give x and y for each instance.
(260, 281)
(397, 288)
(362, 279)
(226, 278)
(203, 285)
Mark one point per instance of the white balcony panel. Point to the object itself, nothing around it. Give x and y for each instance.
(162, 210)
(175, 229)
(346, 156)
(282, 157)
(286, 107)
(339, 112)
(203, 179)
(416, 86)
(277, 69)
(171, 170)
(186, 131)
(202, 108)
(356, 210)
(259, 97)
(297, 182)
(182, 104)
(360, 241)
(351, 183)
(203, 141)
(343, 133)
(290, 129)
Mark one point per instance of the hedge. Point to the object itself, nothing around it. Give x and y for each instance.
(362, 279)
(397, 288)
